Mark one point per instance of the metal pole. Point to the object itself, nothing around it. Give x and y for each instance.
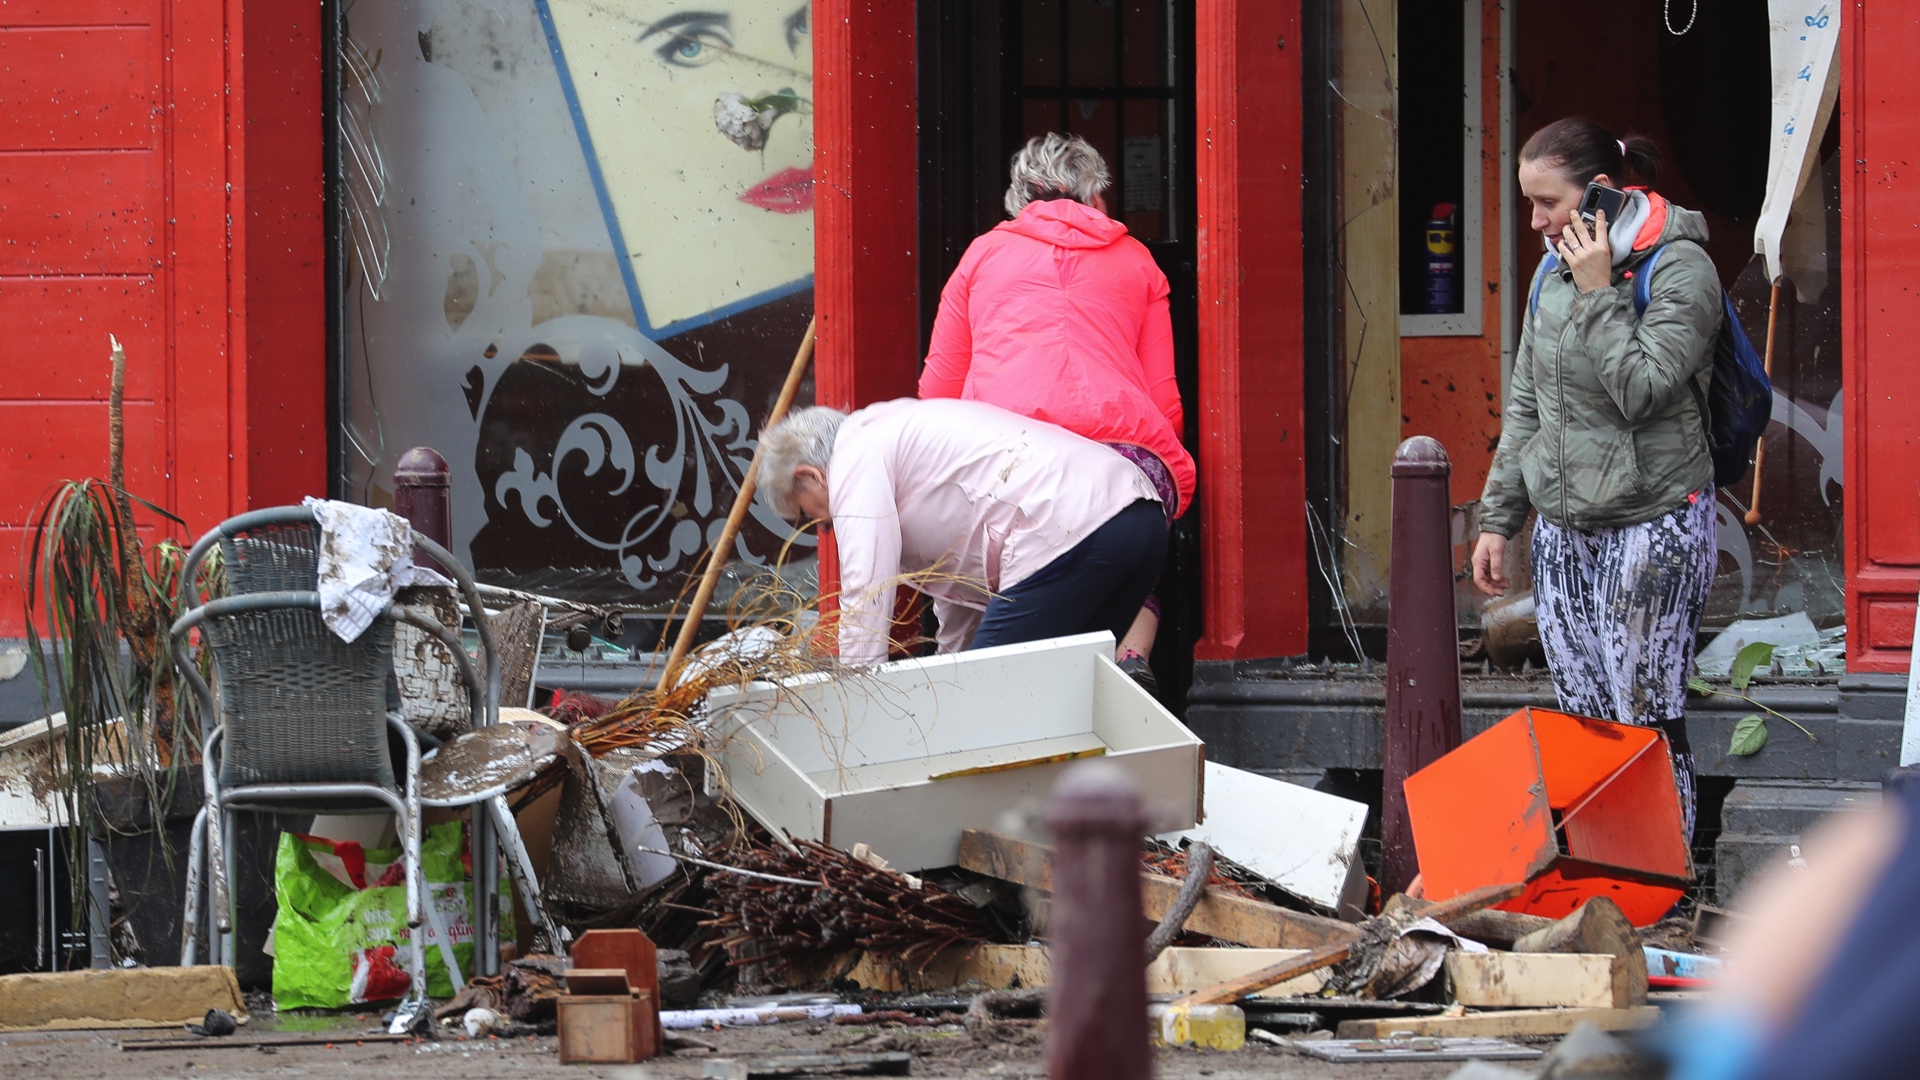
(423, 494)
(1098, 1003)
(1423, 645)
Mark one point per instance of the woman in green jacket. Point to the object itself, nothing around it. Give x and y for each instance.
(1604, 436)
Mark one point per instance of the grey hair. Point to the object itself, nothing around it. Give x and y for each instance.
(805, 437)
(1050, 166)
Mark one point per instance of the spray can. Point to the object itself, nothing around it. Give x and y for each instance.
(1443, 262)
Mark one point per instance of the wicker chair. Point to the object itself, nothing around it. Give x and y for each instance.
(301, 720)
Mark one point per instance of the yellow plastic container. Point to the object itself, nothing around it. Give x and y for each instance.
(1216, 1027)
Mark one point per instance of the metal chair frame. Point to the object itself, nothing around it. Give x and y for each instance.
(211, 847)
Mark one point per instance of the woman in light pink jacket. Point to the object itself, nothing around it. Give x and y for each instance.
(1033, 532)
(1059, 315)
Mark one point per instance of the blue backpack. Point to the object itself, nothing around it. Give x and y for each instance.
(1738, 404)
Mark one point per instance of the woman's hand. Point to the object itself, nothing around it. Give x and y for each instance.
(1489, 564)
(1587, 253)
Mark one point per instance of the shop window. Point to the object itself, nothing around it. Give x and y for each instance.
(577, 259)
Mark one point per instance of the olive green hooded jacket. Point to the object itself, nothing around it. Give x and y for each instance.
(1601, 429)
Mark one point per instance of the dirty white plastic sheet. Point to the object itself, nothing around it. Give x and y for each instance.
(1805, 38)
(366, 556)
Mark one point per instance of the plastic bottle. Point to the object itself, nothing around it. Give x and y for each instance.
(1215, 1027)
(1443, 264)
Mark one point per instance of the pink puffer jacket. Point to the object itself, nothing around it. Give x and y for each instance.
(1061, 316)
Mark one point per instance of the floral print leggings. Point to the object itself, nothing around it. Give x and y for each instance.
(1619, 612)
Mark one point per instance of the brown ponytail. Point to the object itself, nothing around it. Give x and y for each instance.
(1582, 150)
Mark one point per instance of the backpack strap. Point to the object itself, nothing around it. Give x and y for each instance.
(1547, 266)
(1643, 282)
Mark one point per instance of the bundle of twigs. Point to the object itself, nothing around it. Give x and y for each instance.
(852, 906)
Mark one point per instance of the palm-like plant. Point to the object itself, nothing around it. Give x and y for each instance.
(94, 588)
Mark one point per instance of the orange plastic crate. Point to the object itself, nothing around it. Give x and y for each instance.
(1573, 806)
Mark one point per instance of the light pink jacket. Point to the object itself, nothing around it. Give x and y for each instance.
(983, 495)
(1061, 316)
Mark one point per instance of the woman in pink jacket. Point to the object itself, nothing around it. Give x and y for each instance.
(1061, 316)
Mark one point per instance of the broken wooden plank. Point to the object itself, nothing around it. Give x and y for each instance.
(1182, 970)
(1501, 980)
(1417, 1049)
(769, 1066)
(1505, 1024)
(1328, 955)
(1238, 919)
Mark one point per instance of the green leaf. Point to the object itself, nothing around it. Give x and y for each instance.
(1754, 655)
(1699, 685)
(1749, 735)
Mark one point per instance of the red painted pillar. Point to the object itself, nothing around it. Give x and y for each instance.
(1252, 425)
(865, 213)
(866, 204)
(1879, 124)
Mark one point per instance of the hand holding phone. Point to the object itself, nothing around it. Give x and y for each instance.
(1600, 197)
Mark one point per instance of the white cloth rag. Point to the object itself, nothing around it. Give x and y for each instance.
(366, 556)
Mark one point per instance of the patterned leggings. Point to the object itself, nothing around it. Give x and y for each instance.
(1619, 613)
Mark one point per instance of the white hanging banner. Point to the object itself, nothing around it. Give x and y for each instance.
(1805, 38)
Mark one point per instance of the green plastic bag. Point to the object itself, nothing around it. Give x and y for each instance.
(341, 937)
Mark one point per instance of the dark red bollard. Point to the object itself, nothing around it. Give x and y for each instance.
(1423, 645)
(1098, 1001)
(422, 493)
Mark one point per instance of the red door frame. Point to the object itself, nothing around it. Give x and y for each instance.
(1879, 250)
(1252, 424)
(1252, 330)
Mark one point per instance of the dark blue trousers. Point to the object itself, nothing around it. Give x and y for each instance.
(1099, 584)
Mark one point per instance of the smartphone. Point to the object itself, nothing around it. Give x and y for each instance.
(1600, 197)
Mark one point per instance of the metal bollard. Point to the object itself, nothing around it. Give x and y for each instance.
(1423, 645)
(422, 493)
(1098, 1002)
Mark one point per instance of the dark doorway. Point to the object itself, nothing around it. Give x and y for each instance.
(1118, 73)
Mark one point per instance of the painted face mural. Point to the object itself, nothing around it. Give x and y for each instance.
(710, 223)
(581, 239)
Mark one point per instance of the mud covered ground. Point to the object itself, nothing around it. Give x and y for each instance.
(1009, 1051)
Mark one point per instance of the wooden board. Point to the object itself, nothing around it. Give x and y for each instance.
(999, 967)
(1310, 859)
(1505, 1024)
(1230, 918)
(1182, 971)
(1537, 980)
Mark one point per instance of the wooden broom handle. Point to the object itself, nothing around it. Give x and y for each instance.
(716, 555)
(1760, 449)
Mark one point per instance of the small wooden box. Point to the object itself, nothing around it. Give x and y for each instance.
(604, 1020)
(596, 1029)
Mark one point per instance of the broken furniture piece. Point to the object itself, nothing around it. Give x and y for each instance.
(601, 1019)
(905, 756)
(301, 718)
(1573, 806)
(631, 952)
(1315, 858)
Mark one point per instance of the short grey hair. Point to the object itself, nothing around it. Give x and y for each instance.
(1053, 165)
(804, 438)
